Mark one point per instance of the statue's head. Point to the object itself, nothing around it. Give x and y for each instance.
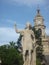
(28, 25)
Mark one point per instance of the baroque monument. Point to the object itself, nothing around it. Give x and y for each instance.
(28, 44)
(28, 40)
(39, 24)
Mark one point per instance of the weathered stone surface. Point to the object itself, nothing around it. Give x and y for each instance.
(28, 42)
(39, 24)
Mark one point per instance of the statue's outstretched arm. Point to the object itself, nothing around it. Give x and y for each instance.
(17, 31)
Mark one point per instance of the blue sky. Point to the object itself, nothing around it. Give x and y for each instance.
(20, 11)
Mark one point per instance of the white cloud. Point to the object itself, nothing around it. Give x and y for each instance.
(27, 2)
(12, 22)
(7, 35)
(47, 31)
(8, 21)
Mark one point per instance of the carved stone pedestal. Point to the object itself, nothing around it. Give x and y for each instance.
(33, 59)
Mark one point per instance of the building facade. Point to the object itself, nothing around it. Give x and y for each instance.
(39, 24)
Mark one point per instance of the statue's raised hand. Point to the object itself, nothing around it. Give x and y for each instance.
(15, 25)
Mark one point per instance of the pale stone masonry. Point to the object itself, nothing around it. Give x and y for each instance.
(28, 44)
(39, 24)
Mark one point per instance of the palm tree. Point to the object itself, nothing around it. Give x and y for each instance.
(12, 44)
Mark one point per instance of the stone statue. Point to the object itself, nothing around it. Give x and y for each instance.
(28, 43)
